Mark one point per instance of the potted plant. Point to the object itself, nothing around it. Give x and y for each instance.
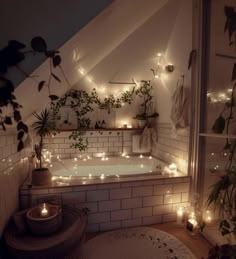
(144, 92)
(43, 127)
(223, 193)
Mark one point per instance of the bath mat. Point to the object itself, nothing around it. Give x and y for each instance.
(135, 243)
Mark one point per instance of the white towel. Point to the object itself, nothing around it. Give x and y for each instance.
(179, 110)
(148, 138)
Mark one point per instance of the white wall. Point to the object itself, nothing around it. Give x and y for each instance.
(173, 146)
(13, 170)
(177, 52)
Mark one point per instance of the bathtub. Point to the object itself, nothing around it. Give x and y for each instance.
(107, 167)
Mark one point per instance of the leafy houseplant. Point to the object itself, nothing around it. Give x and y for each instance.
(43, 127)
(144, 92)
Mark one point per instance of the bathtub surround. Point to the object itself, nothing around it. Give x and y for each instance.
(172, 146)
(14, 168)
(119, 204)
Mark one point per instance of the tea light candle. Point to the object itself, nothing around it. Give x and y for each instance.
(125, 126)
(192, 222)
(44, 211)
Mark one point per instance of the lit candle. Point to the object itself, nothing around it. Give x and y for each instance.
(125, 126)
(180, 215)
(44, 211)
(141, 156)
(192, 222)
(208, 216)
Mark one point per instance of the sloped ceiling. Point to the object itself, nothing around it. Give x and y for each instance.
(119, 44)
(55, 20)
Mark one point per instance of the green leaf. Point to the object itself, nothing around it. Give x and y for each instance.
(20, 145)
(8, 120)
(224, 231)
(219, 125)
(38, 44)
(22, 126)
(20, 135)
(53, 97)
(41, 85)
(56, 60)
(56, 77)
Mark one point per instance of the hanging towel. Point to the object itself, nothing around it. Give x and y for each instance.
(179, 109)
(148, 138)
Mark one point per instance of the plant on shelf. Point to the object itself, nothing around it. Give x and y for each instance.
(223, 193)
(144, 92)
(43, 126)
(11, 56)
(109, 103)
(81, 103)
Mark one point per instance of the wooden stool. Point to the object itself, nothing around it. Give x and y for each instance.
(56, 245)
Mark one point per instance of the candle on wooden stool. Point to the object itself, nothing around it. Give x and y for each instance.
(44, 211)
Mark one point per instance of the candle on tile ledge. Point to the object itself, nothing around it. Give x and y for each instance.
(44, 211)
(180, 215)
(192, 222)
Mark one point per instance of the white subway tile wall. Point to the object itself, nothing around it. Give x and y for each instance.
(112, 143)
(120, 205)
(172, 146)
(14, 168)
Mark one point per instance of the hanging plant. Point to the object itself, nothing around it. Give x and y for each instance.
(81, 103)
(11, 56)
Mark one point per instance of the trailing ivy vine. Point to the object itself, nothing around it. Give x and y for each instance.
(83, 103)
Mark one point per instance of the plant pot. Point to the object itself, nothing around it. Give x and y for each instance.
(142, 123)
(41, 176)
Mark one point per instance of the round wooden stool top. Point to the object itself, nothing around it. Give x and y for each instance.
(55, 245)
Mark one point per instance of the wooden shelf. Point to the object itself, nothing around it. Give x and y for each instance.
(213, 135)
(107, 129)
